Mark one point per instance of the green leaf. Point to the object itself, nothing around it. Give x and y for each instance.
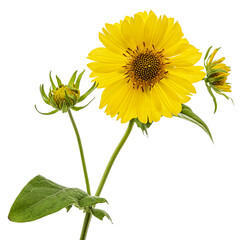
(52, 83)
(77, 83)
(41, 197)
(49, 113)
(72, 79)
(68, 207)
(189, 115)
(100, 214)
(91, 200)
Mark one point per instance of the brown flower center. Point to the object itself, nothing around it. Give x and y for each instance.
(145, 67)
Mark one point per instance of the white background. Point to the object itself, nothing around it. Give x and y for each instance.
(173, 185)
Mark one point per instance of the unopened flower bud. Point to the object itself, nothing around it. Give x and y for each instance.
(65, 97)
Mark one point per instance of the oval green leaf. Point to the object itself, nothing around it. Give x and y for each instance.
(41, 197)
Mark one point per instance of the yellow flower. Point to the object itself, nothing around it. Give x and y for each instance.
(217, 73)
(146, 68)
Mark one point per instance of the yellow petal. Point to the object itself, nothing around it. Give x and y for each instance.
(186, 59)
(127, 33)
(102, 67)
(105, 55)
(106, 79)
(212, 56)
(172, 37)
(109, 43)
(150, 30)
(161, 28)
(181, 81)
(192, 74)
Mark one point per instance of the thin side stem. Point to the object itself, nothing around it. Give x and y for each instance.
(81, 152)
(87, 218)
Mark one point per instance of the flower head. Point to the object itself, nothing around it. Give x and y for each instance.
(146, 68)
(64, 97)
(217, 74)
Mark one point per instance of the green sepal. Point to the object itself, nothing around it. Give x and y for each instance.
(221, 93)
(143, 126)
(64, 107)
(52, 83)
(189, 115)
(72, 97)
(49, 113)
(77, 83)
(82, 97)
(100, 214)
(43, 94)
(215, 70)
(206, 55)
(69, 103)
(215, 79)
(46, 101)
(41, 197)
(75, 108)
(209, 88)
(72, 79)
(52, 102)
(59, 81)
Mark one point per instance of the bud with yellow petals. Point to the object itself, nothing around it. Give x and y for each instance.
(216, 77)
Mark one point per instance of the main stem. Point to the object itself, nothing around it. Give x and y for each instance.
(88, 215)
(81, 152)
(114, 155)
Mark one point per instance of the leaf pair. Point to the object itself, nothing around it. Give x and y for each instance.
(41, 197)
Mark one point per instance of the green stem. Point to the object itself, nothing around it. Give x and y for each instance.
(81, 152)
(85, 226)
(87, 218)
(114, 155)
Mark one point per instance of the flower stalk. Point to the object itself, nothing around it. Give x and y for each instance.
(81, 152)
(114, 155)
